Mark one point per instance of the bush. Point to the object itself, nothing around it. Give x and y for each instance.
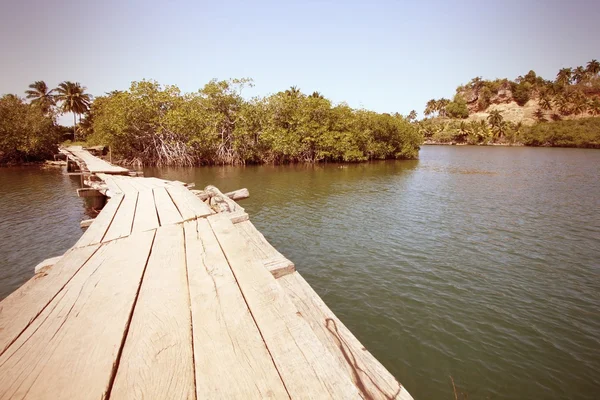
(457, 108)
(567, 133)
(26, 133)
(521, 92)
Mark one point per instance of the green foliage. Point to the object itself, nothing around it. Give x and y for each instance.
(27, 133)
(41, 96)
(457, 108)
(154, 125)
(521, 92)
(583, 132)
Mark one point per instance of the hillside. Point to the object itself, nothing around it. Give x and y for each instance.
(574, 93)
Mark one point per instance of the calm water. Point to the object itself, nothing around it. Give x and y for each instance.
(478, 263)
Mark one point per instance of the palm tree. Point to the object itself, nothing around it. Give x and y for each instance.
(593, 67)
(562, 103)
(545, 102)
(293, 91)
(430, 107)
(412, 115)
(539, 115)
(74, 100)
(495, 118)
(316, 95)
(39, 94)
(564, 76)
(441, 106)
(579, 74)
(594, 106)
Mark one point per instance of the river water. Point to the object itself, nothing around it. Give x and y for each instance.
(477, 264)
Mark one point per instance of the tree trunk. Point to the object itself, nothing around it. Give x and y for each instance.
(74, 127)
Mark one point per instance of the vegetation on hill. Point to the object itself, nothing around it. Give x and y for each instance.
(154, 125)
(483, 111)
(574, 92)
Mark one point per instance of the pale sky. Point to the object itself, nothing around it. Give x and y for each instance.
(386, 56)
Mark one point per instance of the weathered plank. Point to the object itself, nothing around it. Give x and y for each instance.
(306, 367)
(71, 348)
(95, 233)
(125, 183)
(145, 213)
(232, 361)
(273, 260)
(24, 304)
(45, 264)
(111, 183)
(188, 205)
(95, 164)
(157, 360)
(167, 211)
(123, 221)
(374, 381)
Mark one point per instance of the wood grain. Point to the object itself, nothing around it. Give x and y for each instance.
(71, 348)
(232, 361)
(188, 204)
(157, 361)
(123, 222)
(24, 304)
(95, 233)
(145, 212)
(167, 211)
(306, 367)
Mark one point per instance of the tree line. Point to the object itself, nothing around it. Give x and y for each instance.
(152, 124)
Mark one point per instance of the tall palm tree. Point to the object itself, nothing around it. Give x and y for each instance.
(441, 106)
(40, 94)
(579, 74)
(430, 107)
(593, 67)
(73, 99)
(564, 76)
(412, 115)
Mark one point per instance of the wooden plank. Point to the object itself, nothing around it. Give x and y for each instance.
(95, 164)
(145, 212)
(71, 349)
(24, 304)
(374, 381)
(86, 223)
(97, 230)
(167, 211)
(111, 183)
(125, 184)
(157, 360)
(273, 260)
(123, 221)
(232, 361)
(306, 367)
(47, 263)
(188, 205)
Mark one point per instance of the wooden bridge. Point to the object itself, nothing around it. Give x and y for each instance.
(167, 296)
